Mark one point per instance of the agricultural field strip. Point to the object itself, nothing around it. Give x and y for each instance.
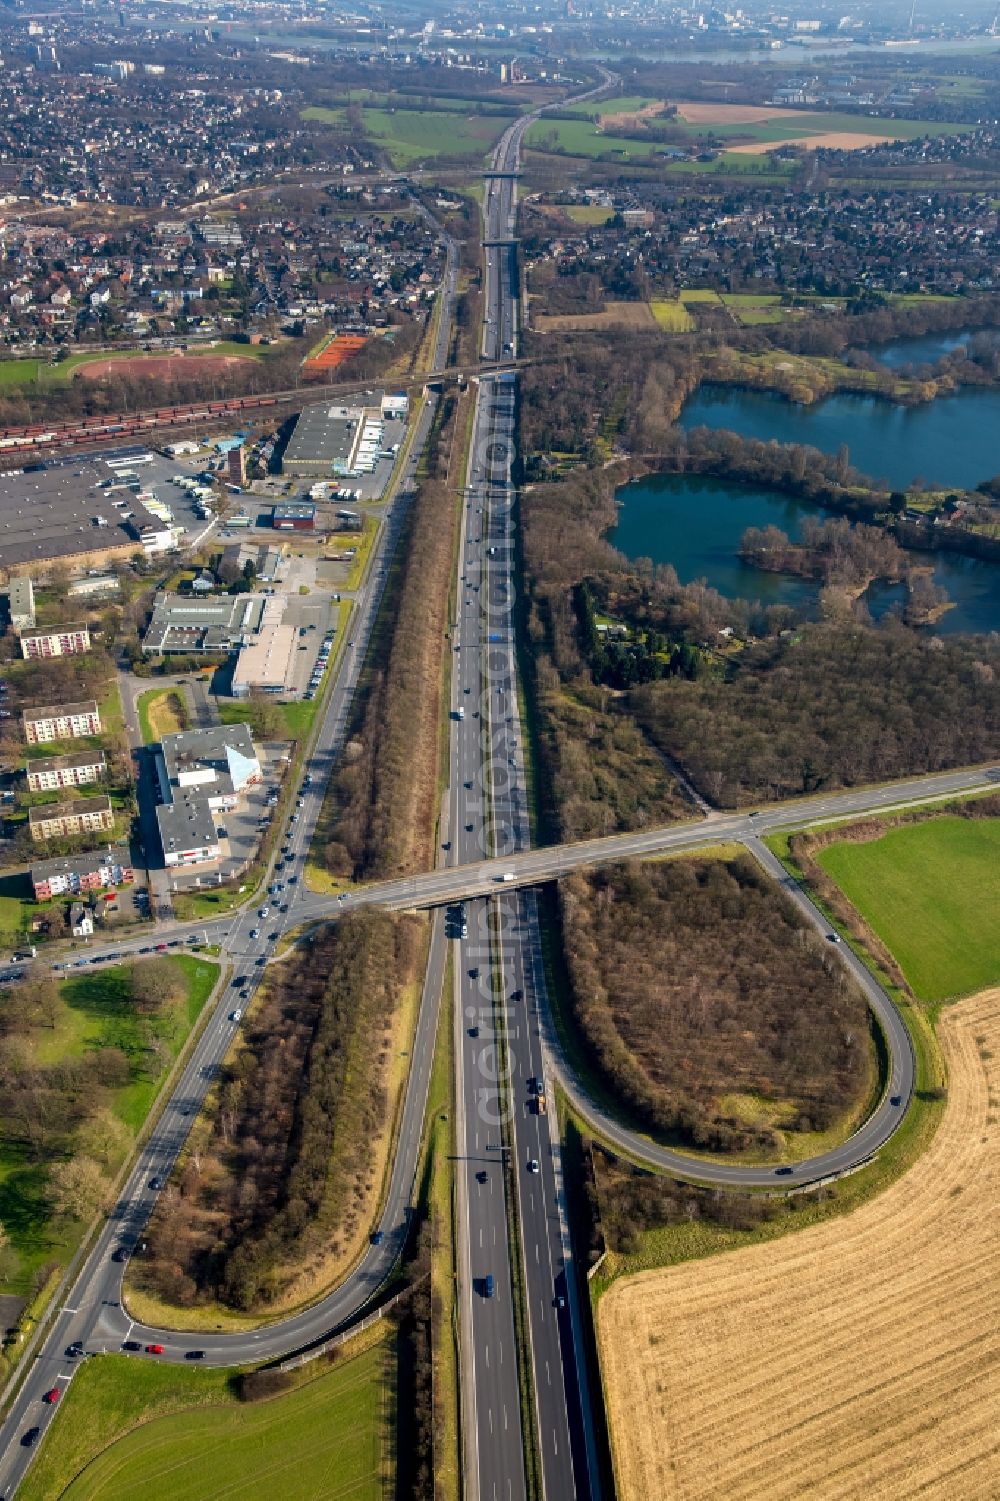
(701, 1406)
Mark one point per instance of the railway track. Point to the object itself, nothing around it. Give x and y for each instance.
(41, 439)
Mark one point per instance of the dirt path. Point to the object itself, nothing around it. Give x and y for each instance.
(859, 1359)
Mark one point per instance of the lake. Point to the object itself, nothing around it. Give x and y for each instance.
(696, 523)
(924, 349)
(952, 441)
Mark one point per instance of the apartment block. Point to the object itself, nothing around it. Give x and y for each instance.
(49, 773)
(73, 874)
(60, 641)
(84, 815)
(61, 722)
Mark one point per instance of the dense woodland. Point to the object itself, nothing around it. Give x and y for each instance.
(278, 1174)
(694, 981)
(834, 705)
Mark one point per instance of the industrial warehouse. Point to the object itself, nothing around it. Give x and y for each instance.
(338, 442)
(77, 514)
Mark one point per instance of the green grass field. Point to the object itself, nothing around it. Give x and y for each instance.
(931, 891)
(588, 213)
(94, 1014)
(130, 1428)
(582, 137)
(624, 104)
(415, 135)
(672, 316)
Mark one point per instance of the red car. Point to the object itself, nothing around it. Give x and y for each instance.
(161, 948)
(52, 1396)
(154, 1349)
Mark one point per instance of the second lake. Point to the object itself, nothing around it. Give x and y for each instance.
(696, 523)
(953, 441)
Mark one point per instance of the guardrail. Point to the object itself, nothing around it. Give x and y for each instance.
(294, 1362)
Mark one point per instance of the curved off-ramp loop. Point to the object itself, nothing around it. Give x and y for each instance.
(858, 1149)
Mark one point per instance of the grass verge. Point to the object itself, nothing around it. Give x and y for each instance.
(162, 711)
(129, 1428)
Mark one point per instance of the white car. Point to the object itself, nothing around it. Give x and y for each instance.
(254, 932)
(533, 1165)
(235, 1016)
(263, 911)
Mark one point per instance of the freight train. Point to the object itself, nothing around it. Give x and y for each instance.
(118, 425)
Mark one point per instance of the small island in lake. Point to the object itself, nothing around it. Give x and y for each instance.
(846, 560)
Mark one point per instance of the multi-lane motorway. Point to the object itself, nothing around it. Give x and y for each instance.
(510, 1197)
(513, 1227)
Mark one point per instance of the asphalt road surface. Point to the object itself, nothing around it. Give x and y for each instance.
(92, 1312)
(489, 810)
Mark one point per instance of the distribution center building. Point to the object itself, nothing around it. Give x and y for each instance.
(324, 441)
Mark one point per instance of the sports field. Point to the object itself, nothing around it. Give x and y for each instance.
(858, 1360)
(931, 891)
(182, 1437)
(212, 359)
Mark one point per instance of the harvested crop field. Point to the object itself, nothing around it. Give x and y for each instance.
(629, 119)
(832, 140)
(612, 315)
(857, 1359)
(161, 366)
(705, 112)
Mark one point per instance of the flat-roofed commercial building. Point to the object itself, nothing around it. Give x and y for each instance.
(75, 514)
(84, 815)
(187, 830)
(324, 441)
(213, 626)
(61, 722)
(267, 663)
(294, 516)
(220, 760)
(201, 773)
(59, 641)
(72, 874)
(49, 773)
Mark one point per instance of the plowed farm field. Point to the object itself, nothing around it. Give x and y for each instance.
(857, 1359)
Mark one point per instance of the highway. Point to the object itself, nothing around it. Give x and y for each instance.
(503, 1021)
(489, 810)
